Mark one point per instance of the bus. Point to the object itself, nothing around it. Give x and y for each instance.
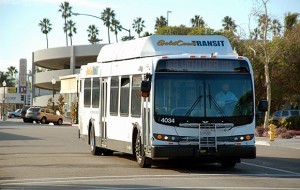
(159, 97)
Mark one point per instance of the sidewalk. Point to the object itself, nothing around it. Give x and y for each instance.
(289, 143)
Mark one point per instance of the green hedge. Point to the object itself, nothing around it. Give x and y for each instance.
(291, 123)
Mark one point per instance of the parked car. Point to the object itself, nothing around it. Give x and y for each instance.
(284, 114)
(43, 115)
(23, 112)
(13, 114)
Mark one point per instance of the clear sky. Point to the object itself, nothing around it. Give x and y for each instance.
(20, 34)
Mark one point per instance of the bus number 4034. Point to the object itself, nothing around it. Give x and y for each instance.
(167, 120)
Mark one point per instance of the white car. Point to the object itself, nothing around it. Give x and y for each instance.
(14, 114)
(284, 114)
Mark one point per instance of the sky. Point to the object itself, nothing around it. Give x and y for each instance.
(20, 34)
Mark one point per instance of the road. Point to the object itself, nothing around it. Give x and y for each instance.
(35, 156)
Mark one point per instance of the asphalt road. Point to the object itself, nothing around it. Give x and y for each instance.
(35, 156)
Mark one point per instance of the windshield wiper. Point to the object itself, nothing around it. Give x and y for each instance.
(193, 106)
(216, 105)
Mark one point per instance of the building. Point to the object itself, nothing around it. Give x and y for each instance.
(54, 63)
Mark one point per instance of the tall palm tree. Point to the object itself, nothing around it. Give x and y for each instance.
(116, 27)
(66, 11)
(138, 25)
(255, 34)
(45, 27)
(290, 20)
(229, 24)
(70, 27)
(197, 22)
(93, 32)
(160, 22)
(107, 16)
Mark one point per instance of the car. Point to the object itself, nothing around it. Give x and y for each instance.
(23, 112)
(43, 115)
(284, 114)
(14, 114)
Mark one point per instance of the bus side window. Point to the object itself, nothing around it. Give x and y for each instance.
(95, 93)
(87, 92)
(114, 95)
(124, 96)
(136, 96)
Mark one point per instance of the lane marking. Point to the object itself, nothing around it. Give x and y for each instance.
(271, 168)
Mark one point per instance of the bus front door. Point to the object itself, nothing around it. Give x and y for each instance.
(103, 109)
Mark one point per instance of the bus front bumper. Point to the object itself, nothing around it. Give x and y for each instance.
(193, 151)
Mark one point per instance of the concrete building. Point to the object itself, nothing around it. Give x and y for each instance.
(54, 63)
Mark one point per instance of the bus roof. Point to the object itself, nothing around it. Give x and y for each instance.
(158, 45)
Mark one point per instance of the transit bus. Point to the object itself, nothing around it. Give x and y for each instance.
(159, 97)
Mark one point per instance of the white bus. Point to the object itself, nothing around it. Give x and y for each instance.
(161, 97)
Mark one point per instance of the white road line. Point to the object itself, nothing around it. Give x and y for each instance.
(271, 168)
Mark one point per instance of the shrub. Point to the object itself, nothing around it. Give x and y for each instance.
(260, 131)
(293, 123)
(283, 133)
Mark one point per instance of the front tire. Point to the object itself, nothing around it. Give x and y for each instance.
(43, 120)
(142, 160)
(59, 122)
(94, 149)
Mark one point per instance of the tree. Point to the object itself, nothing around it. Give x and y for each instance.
(160, 22)
(107, 16)
(45, 27)
(229, 24)
(138, 25)
(116, 27)
(197, 22)
(70, 28)
(93, 32)
(12, 71)
(5, 77)
(66, 11)
(61, 104)
(276, 27)
(127, 38)
(290, 21)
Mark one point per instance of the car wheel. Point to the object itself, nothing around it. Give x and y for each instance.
(59, 122)
(43, 120)
(12, 116)
(25, 120)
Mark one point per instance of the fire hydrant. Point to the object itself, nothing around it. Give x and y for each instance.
(272, 132)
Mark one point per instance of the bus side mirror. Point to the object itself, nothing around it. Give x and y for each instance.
(263, 105)
(145, 88)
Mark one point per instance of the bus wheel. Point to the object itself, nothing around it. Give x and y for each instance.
(141, 159)
(94, 149)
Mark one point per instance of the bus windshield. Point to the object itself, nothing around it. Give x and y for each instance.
(204, 97)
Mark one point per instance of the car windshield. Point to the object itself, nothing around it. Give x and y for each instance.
(203, 96)
(34, 109)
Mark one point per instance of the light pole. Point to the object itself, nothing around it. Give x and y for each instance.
(53, 83)
(76, 14)
(168, 17)
(3, 110)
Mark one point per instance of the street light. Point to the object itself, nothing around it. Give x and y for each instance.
(76, 14)
(3, 110)
(53, 83)
(168, 17)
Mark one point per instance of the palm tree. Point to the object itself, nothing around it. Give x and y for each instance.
(107, 16)
(45, 27)
(66, 11)
(290, 21)
(229, 24)
(276, 27)
(160, 22)
(138, 25)
(5, 77)
(12, 71)
(255, 34)
(116, 27)
(197, 22)
(70, 27)
(93, 32)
